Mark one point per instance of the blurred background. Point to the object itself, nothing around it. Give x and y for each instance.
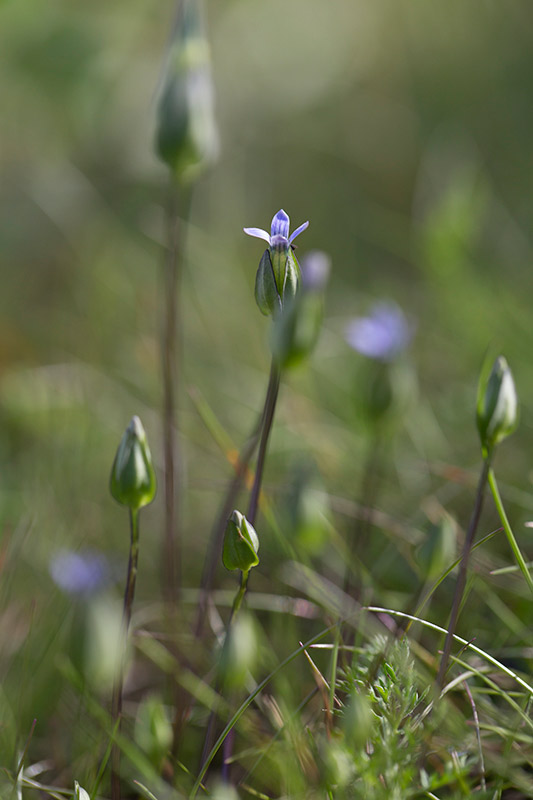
(402, 131)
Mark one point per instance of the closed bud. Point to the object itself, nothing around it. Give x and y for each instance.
(79, 793)
(239, 657)
(133, 481)
(497, 405)
(153, 730)
(358, 720)
(186, 136)
(240, 544)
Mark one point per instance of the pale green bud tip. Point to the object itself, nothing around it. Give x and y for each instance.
(79, 793)
(241, 544)
(133, 481)
(497, 408)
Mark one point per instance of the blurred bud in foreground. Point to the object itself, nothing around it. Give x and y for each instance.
(497, 405)
(96, 641)
(239, 657)
(79, 793)
(241, 544)
(186, 135)
(437, 552)
(357, 720)
(297, 328)
(308, 511)
(133, 481)
(223, 791)
(153, 730)
(278, 277)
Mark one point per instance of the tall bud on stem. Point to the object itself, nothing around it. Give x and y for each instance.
(132, 484)
(186, 135)
(497, 417)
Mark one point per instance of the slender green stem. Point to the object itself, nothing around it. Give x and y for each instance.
(508, 530)
(463, 567)
(217, 534)
(129, 593)
(267, 420)
(237, 602)
(178, 206)
(270, 408)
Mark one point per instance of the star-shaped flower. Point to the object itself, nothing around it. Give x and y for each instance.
(279, 228)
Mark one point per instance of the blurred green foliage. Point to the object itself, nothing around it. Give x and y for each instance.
(402, 130)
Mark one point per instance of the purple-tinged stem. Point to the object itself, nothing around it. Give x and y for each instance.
(463, 567)
(178, 205)
(116, 703)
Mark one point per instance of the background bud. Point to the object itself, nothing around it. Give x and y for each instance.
(133, 481)
(297, 328)
(240, 544)
(153, 730)
(79, 793)
(239, 657)
(437, 551)
(497, 405)
(186, 136)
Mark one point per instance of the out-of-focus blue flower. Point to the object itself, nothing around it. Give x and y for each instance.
(383, 334)
(279, 228)
(78, 573)
(315, 268)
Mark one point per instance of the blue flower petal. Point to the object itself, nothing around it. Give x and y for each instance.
(259, 233)
(298, 231)
(280, 224)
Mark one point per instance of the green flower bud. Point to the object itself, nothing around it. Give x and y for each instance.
(497, 405)
(437, 551)
(133, 480)
(240, 544)
(357, 720)
(153, 730)
(186, 136)
(239, 657)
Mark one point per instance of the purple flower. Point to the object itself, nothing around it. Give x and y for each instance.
(315, 269)
(79, 573)
(278, 275)
(279, 231)
(383, 335)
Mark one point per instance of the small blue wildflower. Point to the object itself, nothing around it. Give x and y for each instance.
(278, 275)
(382, 335)
(79, 573)
(279, 228)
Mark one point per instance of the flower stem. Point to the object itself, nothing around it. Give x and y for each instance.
(177, 208)
(266, 427)
(508, 530)
(129, 593)
(463, 567)
(270, 408)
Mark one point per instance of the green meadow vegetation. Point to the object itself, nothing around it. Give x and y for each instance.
(266, 493)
